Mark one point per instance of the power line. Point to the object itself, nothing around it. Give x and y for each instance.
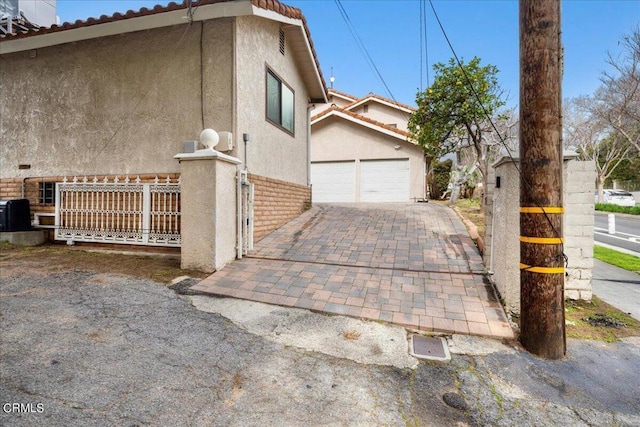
(362, 47)
(426, 41)
(421, 39)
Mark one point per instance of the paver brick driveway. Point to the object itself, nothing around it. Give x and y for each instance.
(410, 264)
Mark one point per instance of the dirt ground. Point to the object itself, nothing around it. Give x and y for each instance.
(53, 258)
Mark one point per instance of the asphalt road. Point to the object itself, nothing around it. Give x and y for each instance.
(86, 349)
(627, 229)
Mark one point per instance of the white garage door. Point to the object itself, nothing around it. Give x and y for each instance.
(333, 182)
(384, 180)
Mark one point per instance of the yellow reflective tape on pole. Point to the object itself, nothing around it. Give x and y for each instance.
(542, 240)
(544, 209)
(542, 270)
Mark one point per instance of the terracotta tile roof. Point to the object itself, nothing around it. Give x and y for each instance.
(362, 118)
(381, 98)
(273, 5)
(15, 25)
(343, 94)
(101, 20)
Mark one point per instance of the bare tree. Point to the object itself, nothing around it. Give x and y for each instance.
(502, 140)
(592, 137)
(617, 102)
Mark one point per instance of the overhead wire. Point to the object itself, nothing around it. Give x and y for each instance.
(426, 40)
(362, 47)
(421, 46)
(500, 137)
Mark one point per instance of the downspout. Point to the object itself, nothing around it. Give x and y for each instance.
(309, 108)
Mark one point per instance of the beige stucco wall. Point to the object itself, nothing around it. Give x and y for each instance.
(209, 222)
(123, 104)
(257, 41)
(338, 139)
(502, 244)
(384, 114)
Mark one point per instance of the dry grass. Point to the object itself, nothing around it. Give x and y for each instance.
(597, 320)
(470, 209)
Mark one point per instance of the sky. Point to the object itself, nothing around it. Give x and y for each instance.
(390, 31)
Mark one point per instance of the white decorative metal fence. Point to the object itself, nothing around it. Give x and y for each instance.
(127, 212)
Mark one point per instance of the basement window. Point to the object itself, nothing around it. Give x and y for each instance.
(47, 193)
(280, 103)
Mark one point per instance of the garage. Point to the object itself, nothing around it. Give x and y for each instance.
(333, 182)
(377, 180)
(367, 158)
(384, 180)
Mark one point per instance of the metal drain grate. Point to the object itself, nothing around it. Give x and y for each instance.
(429, 348)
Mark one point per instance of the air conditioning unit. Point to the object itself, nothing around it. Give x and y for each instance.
(226, 141)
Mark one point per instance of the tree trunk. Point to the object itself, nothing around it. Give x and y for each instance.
(601, 180)
(456, 182)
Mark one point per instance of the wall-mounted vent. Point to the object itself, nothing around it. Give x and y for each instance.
(281, 41)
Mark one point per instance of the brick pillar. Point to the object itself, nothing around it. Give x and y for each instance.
(208, 209)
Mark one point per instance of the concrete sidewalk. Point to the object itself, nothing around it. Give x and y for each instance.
(412, 265)
(617, 287)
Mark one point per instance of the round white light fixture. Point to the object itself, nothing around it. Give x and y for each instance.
(209, 138)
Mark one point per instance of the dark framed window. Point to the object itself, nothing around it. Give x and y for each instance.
(280, 103)
(47, 193)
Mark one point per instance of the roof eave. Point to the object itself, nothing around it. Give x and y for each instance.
(379, 101)
(125, 25)
(303, 50)
(364, 123)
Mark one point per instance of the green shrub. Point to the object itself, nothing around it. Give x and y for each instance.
(441, 172)
(606, 207)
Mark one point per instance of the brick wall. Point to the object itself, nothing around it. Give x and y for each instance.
(276, 203)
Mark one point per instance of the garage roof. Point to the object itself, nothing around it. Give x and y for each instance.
(361, 120)
(380, 100)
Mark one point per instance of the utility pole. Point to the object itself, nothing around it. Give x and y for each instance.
(542, 329)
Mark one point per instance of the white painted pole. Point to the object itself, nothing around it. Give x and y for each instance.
(612, 223)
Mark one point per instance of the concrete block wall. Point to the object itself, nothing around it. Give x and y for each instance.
(502, 254)
(276, 203)
(578, 223)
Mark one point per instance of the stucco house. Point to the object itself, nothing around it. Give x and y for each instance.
(362, 152)
(111, 100)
